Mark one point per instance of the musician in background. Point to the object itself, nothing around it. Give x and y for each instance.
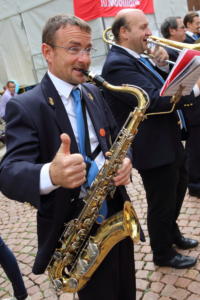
(192, 25)
(158, 153)
(173, 29)
(45, 163)
(9, 93)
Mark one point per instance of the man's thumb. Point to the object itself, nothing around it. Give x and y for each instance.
(65, 144)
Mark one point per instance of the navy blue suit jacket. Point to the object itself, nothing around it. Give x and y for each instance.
(158, 140)
(189, 39)
(35, 121)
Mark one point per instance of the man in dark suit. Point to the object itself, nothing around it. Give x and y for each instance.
(157, 150)
(192, 25)
(44, 164)
(172, 28)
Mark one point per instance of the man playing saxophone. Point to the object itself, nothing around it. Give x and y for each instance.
(49, 164)
(157, 149)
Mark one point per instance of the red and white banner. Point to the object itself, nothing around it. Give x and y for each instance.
(92, 9)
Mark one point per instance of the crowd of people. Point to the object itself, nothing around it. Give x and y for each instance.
(59, 133)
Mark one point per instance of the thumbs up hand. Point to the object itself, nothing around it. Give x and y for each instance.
(67, 170)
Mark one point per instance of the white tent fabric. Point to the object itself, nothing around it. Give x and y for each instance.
(11, 8)
(21, 23)
(15, 53)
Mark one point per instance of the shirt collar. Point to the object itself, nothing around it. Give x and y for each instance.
(63, 88)
(131, 52)
(191, 34)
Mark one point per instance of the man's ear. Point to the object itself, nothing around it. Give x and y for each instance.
(172, 31)
(46, 51)
(123, 33)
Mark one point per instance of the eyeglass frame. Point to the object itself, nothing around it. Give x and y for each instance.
(81, 51)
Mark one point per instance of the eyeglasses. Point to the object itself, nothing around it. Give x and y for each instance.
(77, 50)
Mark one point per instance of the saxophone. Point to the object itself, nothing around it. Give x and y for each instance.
(80, 253)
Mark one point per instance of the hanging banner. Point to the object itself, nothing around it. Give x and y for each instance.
(92, 9)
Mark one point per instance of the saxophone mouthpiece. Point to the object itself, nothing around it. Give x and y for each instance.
(85, 72)
(93, 77)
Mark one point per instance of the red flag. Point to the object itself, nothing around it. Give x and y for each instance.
(92, 9)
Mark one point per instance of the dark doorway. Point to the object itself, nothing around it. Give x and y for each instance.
(193, 5)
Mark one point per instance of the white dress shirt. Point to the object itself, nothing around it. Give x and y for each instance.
(64, 90)
(190, 34)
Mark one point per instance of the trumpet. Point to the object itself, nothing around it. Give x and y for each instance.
(177, 46)
(108, 38)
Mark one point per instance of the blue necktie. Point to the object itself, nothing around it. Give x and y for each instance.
(150, 66)
(179, 111)
(93, 170)
(195, 36)
(79, 121)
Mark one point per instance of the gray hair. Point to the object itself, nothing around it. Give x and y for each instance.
(169, 23)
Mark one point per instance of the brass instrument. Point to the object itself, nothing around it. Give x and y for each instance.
(108, 38)
(178, 46)
(80, 253)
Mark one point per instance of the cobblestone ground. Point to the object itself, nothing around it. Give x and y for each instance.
(18, 229)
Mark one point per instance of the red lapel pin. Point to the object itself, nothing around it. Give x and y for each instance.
(102, 132)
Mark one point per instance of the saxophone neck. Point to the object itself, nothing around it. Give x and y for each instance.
(141, 96)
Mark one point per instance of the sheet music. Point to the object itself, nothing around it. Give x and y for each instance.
(185, 72)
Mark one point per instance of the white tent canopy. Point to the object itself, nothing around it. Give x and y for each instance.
(21, 23)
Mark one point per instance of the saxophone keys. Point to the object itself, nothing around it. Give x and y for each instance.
(72, 283)
(93, 249)
(57, 284)
(94, 211)
(86, 222)
(82, 266)
(57, 255)
(68, 258)
(82, 233)
(75, 245)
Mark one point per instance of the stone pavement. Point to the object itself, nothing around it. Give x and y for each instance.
(18, 229)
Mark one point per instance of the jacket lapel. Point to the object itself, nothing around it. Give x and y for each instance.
(61, 118)
(95, 114)
(136, 60)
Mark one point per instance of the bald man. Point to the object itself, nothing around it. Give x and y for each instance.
(157, 149)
